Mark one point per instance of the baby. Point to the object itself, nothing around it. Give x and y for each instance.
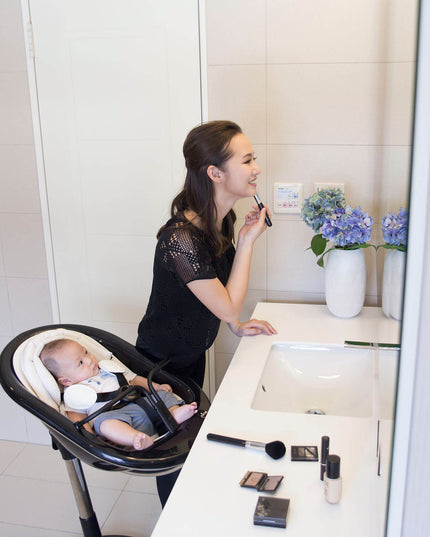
(71, 364)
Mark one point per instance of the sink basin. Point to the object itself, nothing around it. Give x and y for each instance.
(316, 379)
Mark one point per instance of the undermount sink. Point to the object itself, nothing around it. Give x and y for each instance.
(316, 379)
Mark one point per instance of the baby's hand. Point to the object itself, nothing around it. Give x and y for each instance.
(164, 388)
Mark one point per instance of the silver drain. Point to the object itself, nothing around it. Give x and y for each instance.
(316, 411)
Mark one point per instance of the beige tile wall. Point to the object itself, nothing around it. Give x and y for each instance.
(324, 90)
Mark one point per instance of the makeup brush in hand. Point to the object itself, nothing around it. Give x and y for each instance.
(275, 449)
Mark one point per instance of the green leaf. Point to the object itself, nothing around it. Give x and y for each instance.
(357, 246)
(320, 261)
(401, 248)
(318, 244)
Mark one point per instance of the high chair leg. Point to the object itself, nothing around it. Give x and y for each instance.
(87, 516)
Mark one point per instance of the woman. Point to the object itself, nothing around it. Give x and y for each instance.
(199, 278)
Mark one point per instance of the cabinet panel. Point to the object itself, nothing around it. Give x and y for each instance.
(118, 87)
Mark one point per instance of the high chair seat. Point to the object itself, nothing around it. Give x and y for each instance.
(26, 380)
(29, 383)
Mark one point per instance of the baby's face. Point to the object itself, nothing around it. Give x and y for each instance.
(77, 364)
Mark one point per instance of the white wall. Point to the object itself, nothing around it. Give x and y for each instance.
(24, 288)
(109, 161)
(116, 96)
(324, 90)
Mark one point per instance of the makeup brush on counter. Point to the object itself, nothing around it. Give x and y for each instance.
(275, 449)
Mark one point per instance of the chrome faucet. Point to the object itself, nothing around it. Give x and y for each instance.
(371, 345)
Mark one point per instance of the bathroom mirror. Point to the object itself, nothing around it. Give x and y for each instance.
(325, 91)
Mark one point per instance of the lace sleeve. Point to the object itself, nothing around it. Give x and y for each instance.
(186, 254)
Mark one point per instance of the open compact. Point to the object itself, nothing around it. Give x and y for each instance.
(261, 481)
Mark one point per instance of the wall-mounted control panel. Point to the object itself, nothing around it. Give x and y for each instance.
(288, 198)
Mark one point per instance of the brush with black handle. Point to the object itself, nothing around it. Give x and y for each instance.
(275, 449)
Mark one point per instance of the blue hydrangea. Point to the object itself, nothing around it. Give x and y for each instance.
(347, 226)
(395, 228)
(321, 204)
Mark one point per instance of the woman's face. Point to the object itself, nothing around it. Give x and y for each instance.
(239, 173)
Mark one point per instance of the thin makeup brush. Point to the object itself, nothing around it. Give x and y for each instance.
(275, 449)
(260, 206)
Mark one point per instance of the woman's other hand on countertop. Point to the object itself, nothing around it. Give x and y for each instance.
(253, 327)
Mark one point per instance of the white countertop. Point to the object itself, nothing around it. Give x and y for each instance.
(207, 499)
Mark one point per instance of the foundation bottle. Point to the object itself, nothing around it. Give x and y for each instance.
(332, 479)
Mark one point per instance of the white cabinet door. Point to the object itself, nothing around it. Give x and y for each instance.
(118, 88)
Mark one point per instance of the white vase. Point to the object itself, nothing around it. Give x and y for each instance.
(392, 283)
(345, 282)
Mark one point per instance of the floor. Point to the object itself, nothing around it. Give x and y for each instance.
(36, 498)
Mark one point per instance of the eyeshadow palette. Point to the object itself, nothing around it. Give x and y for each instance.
(271, 512)
(261, 481)
(304, 453)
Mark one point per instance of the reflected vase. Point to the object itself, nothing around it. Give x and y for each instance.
(345, 282)
(392, 283)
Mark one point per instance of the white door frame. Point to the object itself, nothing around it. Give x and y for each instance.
(38, 147)
(411, 327)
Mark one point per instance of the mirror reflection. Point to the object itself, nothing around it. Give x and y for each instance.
(325, 92)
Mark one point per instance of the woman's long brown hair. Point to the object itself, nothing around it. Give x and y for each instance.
(206, 145)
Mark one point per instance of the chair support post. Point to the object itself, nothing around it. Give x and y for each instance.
(79, 486)
(87, 516)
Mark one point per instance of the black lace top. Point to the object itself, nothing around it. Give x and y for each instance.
(176, 324)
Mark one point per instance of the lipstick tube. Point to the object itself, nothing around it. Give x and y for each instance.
(325, 443)
(260, 206)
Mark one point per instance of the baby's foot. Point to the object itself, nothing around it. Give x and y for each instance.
(142, 441)
(184, 412)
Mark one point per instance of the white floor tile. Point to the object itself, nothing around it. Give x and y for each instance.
(9, 451)
(44, 504)
(38, 462)
(141, 484)
(16, 530)
(102, 478)
(134, 514)
(42, 462)
(36, 498)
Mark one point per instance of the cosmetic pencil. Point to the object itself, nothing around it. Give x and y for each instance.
(260, 206)
(325, 442)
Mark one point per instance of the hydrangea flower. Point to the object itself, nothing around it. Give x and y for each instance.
(395, 229)
(327, 213)
(347, 226)
(320, 205)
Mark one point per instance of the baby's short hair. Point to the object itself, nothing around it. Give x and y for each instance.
(49, 355)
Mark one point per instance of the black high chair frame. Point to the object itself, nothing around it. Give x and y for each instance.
(76, 444)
